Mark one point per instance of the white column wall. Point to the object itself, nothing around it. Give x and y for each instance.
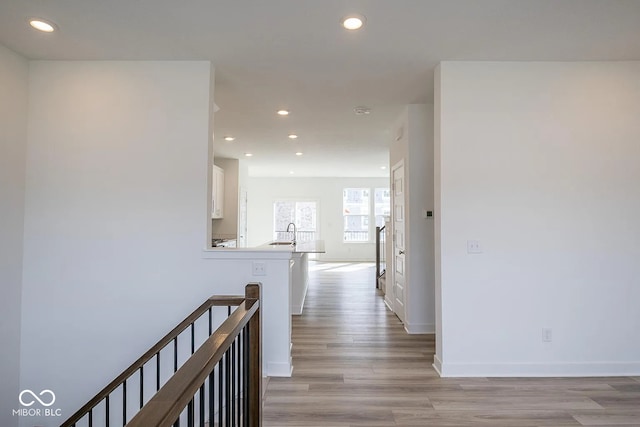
(115, 218)
(538, 162)
(13, 146)
(413, 144)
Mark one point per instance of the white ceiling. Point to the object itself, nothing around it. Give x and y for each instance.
(294, 54)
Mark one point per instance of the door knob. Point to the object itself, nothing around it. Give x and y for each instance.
(401, 252)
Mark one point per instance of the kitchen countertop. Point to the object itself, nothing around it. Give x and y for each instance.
(309, 247)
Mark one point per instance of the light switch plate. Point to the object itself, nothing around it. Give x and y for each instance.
(259, 268)
(474, 247)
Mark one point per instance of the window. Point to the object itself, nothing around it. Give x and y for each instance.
(382, 205)
(356, 207)
(363, 213)
(302, 213)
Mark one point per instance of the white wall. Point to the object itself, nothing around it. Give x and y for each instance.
(539, 162)
(115, 218)
(413, 144)
(13, 143)
(328, 193)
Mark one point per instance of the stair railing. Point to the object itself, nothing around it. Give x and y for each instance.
(197, 393)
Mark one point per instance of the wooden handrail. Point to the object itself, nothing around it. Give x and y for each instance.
(215, 300)
(166, 406)
(255, 360)
(226, 300)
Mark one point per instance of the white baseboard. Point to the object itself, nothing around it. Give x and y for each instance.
(388, 304)
(437, 364)
(296, 310)
(582, 369)
(279, 369)
(420, 328)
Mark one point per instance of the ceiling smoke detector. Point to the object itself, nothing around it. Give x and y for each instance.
(362, 111)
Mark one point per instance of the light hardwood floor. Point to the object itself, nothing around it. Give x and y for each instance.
(354, 365)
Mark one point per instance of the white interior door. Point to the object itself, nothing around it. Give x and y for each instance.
(399, 232)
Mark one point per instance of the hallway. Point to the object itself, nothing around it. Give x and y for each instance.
(354, 365)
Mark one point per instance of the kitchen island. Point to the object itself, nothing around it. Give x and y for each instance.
(282, 269)
(299, 276)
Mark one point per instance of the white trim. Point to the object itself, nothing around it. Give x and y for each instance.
(575, 369)
(279, 369)
(437, 364)
(387, 302)
(296, 310)
(420, 328)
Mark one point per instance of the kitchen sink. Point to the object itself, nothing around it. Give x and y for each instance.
(281, 243)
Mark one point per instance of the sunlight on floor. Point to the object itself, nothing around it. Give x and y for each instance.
(340, 267)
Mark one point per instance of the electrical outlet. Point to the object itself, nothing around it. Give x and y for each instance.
(547, 335)
(474, 247)
(259, 268)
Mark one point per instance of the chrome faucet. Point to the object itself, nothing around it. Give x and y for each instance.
(293, 241)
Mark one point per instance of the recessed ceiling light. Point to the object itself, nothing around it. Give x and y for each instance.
(248, 154)
(283, 112)
(383, 167)
(298, 153)
(229, 138)
(293, 136)
(42, 25)
(353, 22)
(291, 172)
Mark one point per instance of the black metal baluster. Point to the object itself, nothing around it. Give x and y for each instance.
(210, 321)
(201, 405)
(220, 393)
(229, 310)
(212, 408)
(232, 398)
(193, 338)
(141, 386)
(227, 381)
(124, 402)
(246, 336)
(190, 414)
(157, 371)
(175, 368)
(106, 411)
(90, 417)
(175, 354)
(239, 379)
